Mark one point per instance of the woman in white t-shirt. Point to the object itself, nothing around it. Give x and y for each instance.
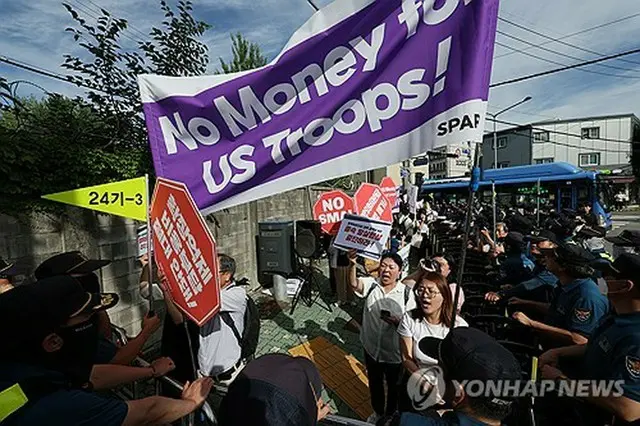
(431, 318)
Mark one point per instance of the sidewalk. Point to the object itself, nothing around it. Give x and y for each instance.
(281, 332)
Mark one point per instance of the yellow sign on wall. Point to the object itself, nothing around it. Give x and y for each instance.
(127, 198)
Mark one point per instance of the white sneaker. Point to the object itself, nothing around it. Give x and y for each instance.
(373, 419)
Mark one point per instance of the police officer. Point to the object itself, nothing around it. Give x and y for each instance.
(543, 282)
(7, 271)
(46, 363)
(515, 266)
(577, 304)
(613, 352)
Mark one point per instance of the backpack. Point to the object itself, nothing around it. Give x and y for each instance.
(249, 340)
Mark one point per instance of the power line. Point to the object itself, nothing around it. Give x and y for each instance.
(568, 145)
(34, 69)
(529, 113)
(540, 58)
(558, 40)
(46, 73)
(581, 32)
(130, 27)
(565, 68)
(558, 53)
(557, 132)
(89, 12)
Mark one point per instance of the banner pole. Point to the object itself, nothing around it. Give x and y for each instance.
(149, 244)
(538, 204)
(473, 187)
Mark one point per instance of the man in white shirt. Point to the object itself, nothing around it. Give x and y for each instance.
(386, 302)
(219, 353)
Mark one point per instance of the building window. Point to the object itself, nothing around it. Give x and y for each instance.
(503, 165)
(541, 136)
(591, 133)
(589, 159)
(502, 143)
(544, 160)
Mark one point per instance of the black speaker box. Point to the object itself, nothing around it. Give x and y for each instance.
(309, 240)
(274, 244)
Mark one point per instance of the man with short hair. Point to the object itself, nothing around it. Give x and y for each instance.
(46, 363)
(543, 282)
(577, 305)
(7, 271)
(613, 351)
(515, 266)
(219, 354)
(386, 301)
(468, 354)
(587, 215)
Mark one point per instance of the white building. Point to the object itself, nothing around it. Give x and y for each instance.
(442, 167)
(439, 167)
(590, 143)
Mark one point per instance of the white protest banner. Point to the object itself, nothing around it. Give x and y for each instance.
(361, 85)
(367, 236)
(412, 198)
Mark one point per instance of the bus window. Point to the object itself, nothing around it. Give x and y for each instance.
(566, 198)
(584, 194)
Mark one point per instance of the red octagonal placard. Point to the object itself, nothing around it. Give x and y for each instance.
(372, 203)
(330, 208)
(185, 251)
(389, 189)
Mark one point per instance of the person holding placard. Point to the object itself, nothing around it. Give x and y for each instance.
(386, 301)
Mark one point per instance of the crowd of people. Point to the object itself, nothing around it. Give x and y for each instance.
(58, 353)
(561, 288)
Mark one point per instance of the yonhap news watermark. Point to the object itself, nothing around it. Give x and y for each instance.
(427, 387)
(581, 388)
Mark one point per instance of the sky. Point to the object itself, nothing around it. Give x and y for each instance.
(34, 32)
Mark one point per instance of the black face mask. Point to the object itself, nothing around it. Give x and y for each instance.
(90, 282)
(77, 356)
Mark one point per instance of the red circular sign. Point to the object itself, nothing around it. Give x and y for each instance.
(371, 203)
(330, 208)
(185, 251)
(388, 187)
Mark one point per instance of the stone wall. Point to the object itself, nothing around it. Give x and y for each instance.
(28, 241)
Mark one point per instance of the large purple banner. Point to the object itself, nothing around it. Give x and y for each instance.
(362, 84)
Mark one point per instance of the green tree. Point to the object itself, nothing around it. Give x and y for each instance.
(8, 97)
(176, 49)
(110, 72)
(246, 56)
(57, 144)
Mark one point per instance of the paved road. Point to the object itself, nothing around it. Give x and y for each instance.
(625, 220)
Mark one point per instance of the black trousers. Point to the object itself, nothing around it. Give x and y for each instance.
(333, 283)
(378, 374)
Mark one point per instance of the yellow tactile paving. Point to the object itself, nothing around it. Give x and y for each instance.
(340, 372)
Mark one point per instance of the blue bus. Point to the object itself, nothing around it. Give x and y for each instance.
(561, 185)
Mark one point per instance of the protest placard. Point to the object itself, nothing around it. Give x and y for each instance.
(330, 208)
(371, 202)
(367, 236)
(185, 251)
(361, 85)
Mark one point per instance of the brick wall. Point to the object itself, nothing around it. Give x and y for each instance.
(30, 240)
